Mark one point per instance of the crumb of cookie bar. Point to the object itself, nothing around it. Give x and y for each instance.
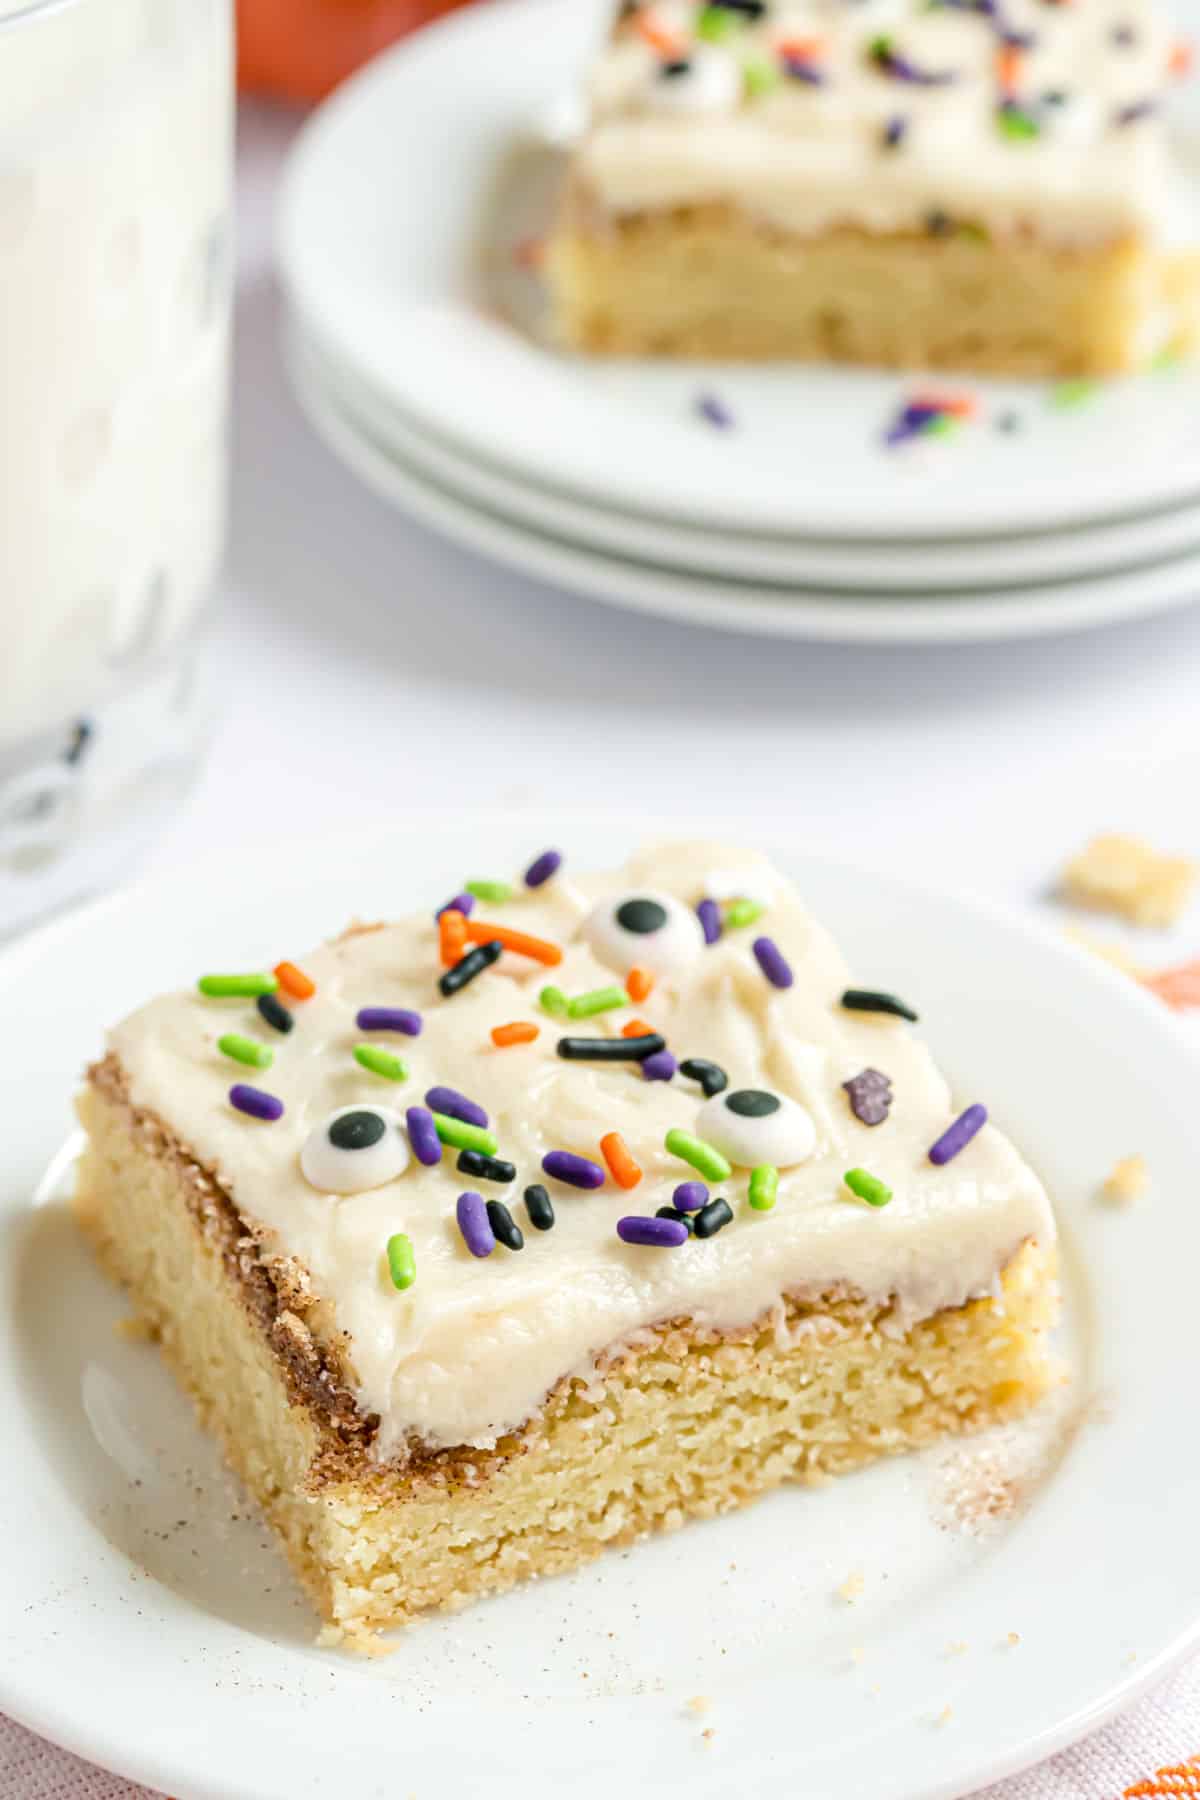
(1108, 951)
(1124, 875)
(852, 1588)
(1127, 1180)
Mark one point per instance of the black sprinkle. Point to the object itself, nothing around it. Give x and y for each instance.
(579, 1049)
(539, 1206)
(712, 1218)
(939, 224)
(489, 1168)
(1008, 421)
(1124, 36)
(356, 1130)
(641, 916)
(752, 1103)
(710, 1075)
(472, 964)
(678, 65)
(752, 9)
(870, 1096)
(275, 1013)
(673, 1212)
(867, 1000)
(504, 1227)
(82, 734)
(1054, 96)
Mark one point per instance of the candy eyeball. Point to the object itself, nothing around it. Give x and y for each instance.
(644, 930)
(752, 1126)
(706, 80)
(355, 1148)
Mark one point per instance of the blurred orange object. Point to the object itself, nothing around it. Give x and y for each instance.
(303, 48)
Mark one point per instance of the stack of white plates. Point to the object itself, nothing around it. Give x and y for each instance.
(759, 499)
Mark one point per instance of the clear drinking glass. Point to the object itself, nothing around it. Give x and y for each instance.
(115, 261)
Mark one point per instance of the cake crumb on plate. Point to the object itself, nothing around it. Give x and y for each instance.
(851, 1589)
(1124, 875)
(1127, 1180)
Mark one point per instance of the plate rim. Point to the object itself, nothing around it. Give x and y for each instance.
(803, 614)
(54, 1716)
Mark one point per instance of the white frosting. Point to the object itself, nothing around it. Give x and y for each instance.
(473, 1347)
(810, 156)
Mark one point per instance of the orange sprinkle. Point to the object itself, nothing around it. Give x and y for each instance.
(639, 983)
(960, 406)
(519, 1032)
(636, 1028)
(1009, 59)
(1183, 55)
(657, 38)
(622, 1167)
(530, 253)
(1178, 987)
(539, 949)
(294, 981)
(452, 937)
(801, 49)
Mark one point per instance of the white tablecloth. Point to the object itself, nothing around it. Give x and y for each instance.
(355, 654)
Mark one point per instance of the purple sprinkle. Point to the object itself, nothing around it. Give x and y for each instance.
(870, 1096)
(474, 1224)
(715, 411)
(709, 915)
(959, 1135)
(456, 1106)
(894, 131)
(422, 1135)
(463, 903)
(773, 962)
(663, 1233)
(543, 867)
(659, 1067)
(576, 1171)
(887, 58)
(389, 1018)
(252, 1100)
(690, 1196)
(800, 69)
(1141, 109)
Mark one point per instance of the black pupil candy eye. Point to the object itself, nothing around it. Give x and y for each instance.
(752, 1103)
(641, 916)
(356, 1131)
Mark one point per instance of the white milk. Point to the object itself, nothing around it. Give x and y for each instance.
(115, 142)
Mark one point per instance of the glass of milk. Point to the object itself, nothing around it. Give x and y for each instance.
(115, 255)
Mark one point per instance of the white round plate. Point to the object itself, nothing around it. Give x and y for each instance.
(894, 567)
(154, 1629)
(961, 616)
(405, 198)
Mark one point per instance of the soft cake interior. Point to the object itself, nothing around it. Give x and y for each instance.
(685, 1425)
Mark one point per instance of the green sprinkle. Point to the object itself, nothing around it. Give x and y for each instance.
(716, 25)
(743, 912)
(463, 1136)
(584, 1006)
(1066, 394)
(554, 1001)
(401, 1262)
(245, 1050)
(705, 1158)
(942, 425)
(380, 1062)
(223, 987)
(760, 78)
(764, 1187)
(867, 1187)
(1020, 126)
(494, 892)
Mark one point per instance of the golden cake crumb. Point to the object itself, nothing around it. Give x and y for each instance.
(958, 1648)
(1112, 953)
(708, 1735)
(851, 1589)
(945, 1716)
(1123, 875)
(1127, 1180)
(857, 1654)
(1013, 1639)
(699, 1704)
(135, 1330)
